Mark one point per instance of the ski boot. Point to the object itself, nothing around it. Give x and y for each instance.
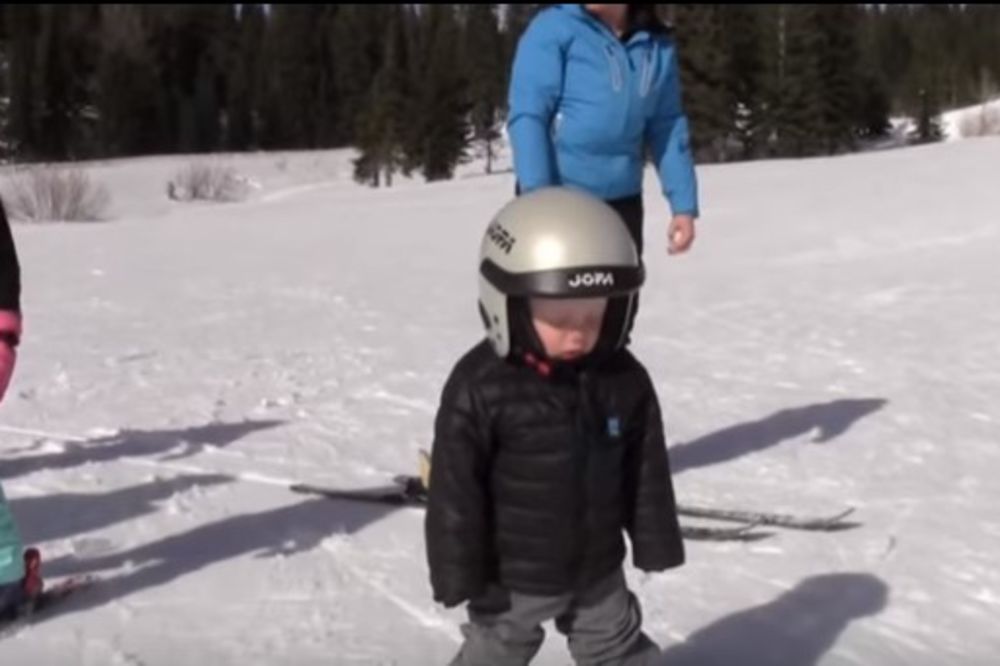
(19, 598)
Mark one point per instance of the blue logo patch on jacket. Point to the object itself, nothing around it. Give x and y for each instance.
(614, 427)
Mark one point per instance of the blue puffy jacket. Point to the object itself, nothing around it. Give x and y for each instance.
(583, 105)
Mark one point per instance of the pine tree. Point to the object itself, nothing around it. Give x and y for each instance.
(23, 26)
(746, 101)
(796, 102)
(381, 127)
(874, 89)
(418, 46)
(66, 62)
(51, 60)
(927, 83)
(127, 93)
(186, 45)
(329, 130)
(300, 89)
(704, 71)
(874, 107)
(482, 52)
(792, 80)
(892, 48)
(839, 75)
(358, 49)
(439, 133)
(929, 120)
(4, 85)
(245, 80)
(769, 25)
(207, 118)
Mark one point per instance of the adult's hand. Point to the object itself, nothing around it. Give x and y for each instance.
(680, 234)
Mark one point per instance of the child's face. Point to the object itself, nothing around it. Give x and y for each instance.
(568, 328)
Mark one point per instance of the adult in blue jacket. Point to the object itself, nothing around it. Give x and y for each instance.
(592, 87)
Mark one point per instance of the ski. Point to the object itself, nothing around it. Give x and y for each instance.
(407, 492)
(393, 495)
(790, 521)
(748, 532)
(416, 485)
(413, 486)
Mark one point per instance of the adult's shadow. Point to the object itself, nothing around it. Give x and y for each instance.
(796, 629)
(830, 419)
(62, 515)
(283, 531)
(133, 443)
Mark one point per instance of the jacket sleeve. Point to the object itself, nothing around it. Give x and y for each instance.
(11, 546)
(651, 522)
(10, 272)
(668, 137)
(536, 83)
(458, 543)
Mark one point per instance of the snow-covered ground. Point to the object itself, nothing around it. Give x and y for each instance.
(966, 122)
(831, 340)
(972, 121)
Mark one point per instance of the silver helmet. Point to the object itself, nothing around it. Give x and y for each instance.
(556, 242)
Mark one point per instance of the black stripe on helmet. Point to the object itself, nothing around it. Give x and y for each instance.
(580, 281)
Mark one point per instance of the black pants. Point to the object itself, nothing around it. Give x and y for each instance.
(631, 211)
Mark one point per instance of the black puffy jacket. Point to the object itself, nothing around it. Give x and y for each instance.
(534, 478)
(10, 272)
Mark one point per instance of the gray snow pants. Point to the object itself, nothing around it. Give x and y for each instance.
(603, 626)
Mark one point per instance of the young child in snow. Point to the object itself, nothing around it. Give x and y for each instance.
(549, 444)
(15, 582)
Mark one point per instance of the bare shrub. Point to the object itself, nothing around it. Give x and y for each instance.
(62, 194)
(209, 182)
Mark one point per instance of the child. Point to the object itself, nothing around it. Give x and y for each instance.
(15, 585)
(549, 443)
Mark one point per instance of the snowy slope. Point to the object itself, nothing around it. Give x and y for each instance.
(978, 118)
(830, 341)
(965, 122)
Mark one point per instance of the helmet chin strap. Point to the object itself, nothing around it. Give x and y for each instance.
(614, 332)
(523, 337)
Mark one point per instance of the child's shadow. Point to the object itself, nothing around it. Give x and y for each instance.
(830, 419)
(796, 629)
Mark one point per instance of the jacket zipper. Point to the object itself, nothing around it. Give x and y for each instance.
(615, 67)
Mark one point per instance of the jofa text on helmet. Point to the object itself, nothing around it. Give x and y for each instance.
(501, 237)
(592, 279)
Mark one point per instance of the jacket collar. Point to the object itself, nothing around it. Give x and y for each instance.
(578, 11)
